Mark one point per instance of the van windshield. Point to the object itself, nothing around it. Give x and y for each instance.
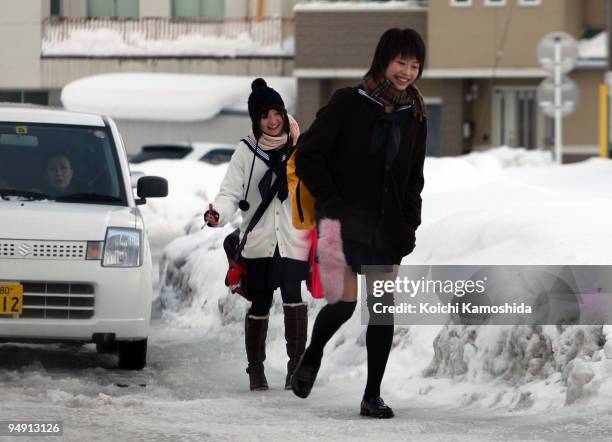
(59, 162)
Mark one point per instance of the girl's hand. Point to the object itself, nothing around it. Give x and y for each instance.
(211, 217)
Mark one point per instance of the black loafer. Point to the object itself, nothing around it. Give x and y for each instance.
(376, 407)
(304, 376)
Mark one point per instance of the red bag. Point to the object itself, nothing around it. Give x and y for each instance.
(236, 275)
(235, 278)
(313, 283)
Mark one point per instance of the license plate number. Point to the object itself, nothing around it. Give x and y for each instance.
(11, 299)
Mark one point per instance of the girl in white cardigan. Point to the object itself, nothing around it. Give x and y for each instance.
(275, 253)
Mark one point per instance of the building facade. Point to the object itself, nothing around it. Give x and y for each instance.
(479, 83)
(482, 70)
(28, 75)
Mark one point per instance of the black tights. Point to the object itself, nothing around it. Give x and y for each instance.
(262, 297)
(379, 339)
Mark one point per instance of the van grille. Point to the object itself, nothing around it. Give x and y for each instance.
(52, 300)
(38, 249)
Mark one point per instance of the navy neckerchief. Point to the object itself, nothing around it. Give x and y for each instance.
(276, 161)
(387, 129)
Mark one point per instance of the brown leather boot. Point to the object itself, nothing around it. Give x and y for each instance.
(255, 333)
(296, 329)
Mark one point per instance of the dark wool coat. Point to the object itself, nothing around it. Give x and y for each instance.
(365, 168)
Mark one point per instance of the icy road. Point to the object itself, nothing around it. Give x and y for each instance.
(197, 390)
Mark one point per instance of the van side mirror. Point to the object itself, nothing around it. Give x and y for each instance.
(151, 187)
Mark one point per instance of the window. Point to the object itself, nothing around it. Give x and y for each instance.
(33, 97)
(495, 2)
(65, 163)
(529, 2)
(112, 8)
(198, 8)
(218, 156)
(56, 7)
(461, 2)
(156, 151)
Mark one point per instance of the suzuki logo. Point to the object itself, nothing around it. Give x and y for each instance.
(24, 249)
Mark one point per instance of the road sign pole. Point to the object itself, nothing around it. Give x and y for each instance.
(558, 116)
(558, 95)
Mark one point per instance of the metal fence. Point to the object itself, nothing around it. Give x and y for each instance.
(265, 32)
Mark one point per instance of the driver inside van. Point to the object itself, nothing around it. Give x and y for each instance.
(58, 172)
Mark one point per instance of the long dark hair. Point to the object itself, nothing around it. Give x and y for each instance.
(394, 42)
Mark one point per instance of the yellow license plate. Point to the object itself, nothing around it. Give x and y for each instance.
(11, 299)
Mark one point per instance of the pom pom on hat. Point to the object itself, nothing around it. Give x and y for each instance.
(258, 83)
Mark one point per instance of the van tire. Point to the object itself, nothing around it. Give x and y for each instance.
(106, 347)
(132, 354)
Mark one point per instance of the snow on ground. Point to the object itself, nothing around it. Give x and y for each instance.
(506, 206)
(445, 384)
(167, 97)
(111, 42)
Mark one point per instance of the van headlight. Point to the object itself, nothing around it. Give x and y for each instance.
(122, 247)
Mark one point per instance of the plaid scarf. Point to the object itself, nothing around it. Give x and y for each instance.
(385, 91)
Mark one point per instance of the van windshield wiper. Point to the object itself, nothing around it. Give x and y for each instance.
(5, 193)
(88, 197)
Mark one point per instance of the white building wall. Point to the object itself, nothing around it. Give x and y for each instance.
(74, 8)
(20, 37)
(236, 8)
(281, 8)
(155, 8)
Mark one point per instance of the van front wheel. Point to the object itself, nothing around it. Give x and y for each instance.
(132, 354)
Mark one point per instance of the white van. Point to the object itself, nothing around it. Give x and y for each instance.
(75, 263)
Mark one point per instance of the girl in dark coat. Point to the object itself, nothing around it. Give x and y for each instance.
(362, 159)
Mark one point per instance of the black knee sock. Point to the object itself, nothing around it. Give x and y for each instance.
(328, 321)
(378, 342)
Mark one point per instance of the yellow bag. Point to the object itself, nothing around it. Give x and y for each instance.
(302, 200)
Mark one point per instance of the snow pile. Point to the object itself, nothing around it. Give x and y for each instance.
(347, 6)
(595, 47)
(191, 185)
(110, 42)
(167, 97)
(498, 207)
(478, 168)
(522, 355)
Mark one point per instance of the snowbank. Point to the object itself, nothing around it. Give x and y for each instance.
(505, 206)
(110, 42)
(191, 185)
(167, 97)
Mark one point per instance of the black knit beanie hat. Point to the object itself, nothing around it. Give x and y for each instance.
(262, 99)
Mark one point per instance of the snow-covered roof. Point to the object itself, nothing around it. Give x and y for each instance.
(347, 6)
(595, 47)
(15, 113)
(167, 97)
